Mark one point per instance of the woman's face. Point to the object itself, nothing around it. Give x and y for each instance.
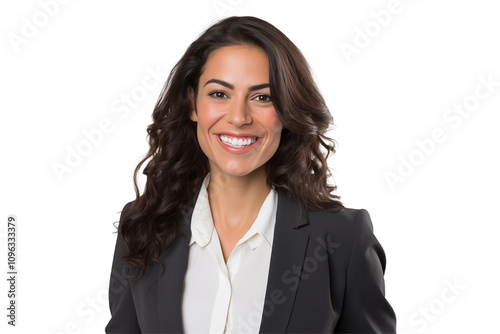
(238, 128)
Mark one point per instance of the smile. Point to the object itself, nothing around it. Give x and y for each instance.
(237, 142)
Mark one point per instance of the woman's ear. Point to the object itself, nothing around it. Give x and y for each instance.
(192, 112)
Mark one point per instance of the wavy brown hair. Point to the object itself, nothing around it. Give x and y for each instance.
(177, 165)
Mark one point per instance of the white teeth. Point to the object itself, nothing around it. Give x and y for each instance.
(237, 142)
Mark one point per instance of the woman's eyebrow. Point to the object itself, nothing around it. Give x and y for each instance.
(230, 86)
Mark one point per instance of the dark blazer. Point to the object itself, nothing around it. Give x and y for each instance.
(326, 276)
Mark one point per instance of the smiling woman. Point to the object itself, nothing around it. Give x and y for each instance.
(236, 115)
(238, 229)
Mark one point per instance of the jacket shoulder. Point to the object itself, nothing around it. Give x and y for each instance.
(345, 221)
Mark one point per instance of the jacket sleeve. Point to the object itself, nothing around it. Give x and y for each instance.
(365, 308)
(121, 303)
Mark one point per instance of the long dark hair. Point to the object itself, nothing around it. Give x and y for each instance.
(177, 165)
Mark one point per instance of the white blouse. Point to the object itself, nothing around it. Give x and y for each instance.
(220, 298)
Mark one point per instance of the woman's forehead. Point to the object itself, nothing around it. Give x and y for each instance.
(238, 64)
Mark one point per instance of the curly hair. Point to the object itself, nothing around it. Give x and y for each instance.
(177, 165)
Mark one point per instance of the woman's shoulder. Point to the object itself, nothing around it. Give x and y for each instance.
(347, 221)
(126, 210)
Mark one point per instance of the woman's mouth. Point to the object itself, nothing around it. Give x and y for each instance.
(238, 145)
(237, 141)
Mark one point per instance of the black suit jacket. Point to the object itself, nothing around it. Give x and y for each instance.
(326, 276)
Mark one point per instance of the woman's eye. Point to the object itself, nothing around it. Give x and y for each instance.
(218, 95)
(263, 98)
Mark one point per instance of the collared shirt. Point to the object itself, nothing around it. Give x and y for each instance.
(227, 298)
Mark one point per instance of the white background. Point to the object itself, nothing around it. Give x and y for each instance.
(438, 225)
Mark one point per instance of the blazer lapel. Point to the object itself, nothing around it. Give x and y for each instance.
(287, 257)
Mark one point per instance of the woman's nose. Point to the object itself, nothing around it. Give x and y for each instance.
(239, 112)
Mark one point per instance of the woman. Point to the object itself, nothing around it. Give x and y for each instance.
(237, 230)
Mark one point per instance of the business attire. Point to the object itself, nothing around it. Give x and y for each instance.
(221, 297)
(325, 275)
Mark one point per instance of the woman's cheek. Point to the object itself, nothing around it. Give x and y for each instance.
(209, 111)
(275, 123)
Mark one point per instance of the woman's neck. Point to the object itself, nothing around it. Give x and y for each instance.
(235, 201)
